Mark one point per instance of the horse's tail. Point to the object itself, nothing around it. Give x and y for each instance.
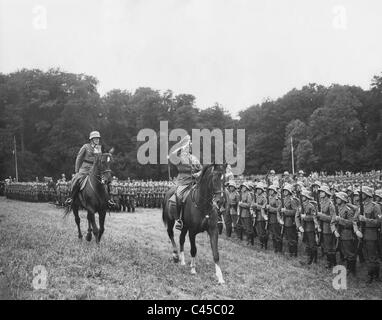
(67, 210)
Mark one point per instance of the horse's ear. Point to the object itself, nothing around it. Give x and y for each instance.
(111, 151)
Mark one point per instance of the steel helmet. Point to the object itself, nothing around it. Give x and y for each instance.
(343, 196)
(94, 134)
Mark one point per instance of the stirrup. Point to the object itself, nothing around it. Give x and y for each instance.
(111, 203)
(68, 201)
(179, 224)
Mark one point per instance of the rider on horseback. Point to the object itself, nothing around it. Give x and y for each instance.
(189, 168)
(84, 163)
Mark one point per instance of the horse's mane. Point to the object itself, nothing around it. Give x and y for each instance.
(205, 186)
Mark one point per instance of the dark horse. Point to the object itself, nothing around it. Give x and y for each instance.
(200, 214)
(93, 197)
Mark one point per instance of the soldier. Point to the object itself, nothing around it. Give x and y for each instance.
(347, 229)
(378, 200)
(114, 194)
(289, 214)
(306, 224)
(234, 201)
(245, 214)
(371, 221)
(188, 169)
(326, 216)
(273, 224)
(84, 163)
(132, 196)
(301, 178)
(287, 178)
(259, 205)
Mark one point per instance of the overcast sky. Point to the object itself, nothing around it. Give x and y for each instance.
(235, 52)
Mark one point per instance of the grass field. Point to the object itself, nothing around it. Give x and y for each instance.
(134, 261)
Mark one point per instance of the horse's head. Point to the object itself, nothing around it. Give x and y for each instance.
(218, 180)
(103, 163)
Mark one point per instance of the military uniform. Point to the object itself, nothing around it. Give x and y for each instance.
(326, 218)
(274, 226)
(260, 217)
(305, 219)
(245, 214)
(233, 206)
(370, 228)
(291, 206)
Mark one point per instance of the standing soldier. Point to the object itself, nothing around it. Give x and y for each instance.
(346, 226)
(378, 200)
(245, 213)
(259, 204)
(305, 223)
(132, 196)
(114, 193)
(371, 221)
(289, 214)
(326, 216)
(234, 201)
(273, 225)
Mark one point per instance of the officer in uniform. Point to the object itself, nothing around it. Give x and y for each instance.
(289, 213)
(305, 223)
(245, 214)
(326, 218)
(84, 163)
(371, 222)
(273, 225)
(259, 205)
(188, 168)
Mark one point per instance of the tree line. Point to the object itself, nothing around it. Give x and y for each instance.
(51, 114)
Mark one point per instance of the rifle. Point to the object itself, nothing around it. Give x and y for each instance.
(267, 179)
(282, 207)
(361, 212)
(337, 214)
(318, 234)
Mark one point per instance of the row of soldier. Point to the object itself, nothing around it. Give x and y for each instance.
(345, 221)
(127, 194)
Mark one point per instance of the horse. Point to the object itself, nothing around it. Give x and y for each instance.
(200, 214)
(93, 197)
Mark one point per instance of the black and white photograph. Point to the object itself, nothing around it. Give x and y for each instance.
(203, 152)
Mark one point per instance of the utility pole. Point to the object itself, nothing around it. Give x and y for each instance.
(15, 153)
(291, 147)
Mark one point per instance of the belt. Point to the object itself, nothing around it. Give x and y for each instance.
(87, 161)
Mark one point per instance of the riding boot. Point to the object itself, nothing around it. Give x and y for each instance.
(179, 222)
(275, 246)
(310, 256)
(252, 240)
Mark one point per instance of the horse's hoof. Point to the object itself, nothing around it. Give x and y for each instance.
(221, 282)
(175, 259)
(193, 271)
(88, 237)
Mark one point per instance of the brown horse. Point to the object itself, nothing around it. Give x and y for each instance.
(200, 214)
(93, 197)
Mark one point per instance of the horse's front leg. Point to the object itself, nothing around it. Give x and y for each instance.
(213, 233)
(182, 239)
(170, 232)
(193, 251)
(102, 216)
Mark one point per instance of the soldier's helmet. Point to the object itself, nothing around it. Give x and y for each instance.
(286, 173)
(273, 187)
(325, 189)
(272, 172)
(301, 172)
(94, 134)
(343, 196)
(378, 193)
(367, 190)
(305, 193)
(288, 187)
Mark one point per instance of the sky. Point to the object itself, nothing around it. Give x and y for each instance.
(234, 52)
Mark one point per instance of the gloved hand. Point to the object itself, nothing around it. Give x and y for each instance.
(336, 234)
(359, 234)
(301, 229)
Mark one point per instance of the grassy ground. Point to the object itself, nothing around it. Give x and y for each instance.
(134, 261)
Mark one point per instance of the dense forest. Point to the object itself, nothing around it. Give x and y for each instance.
(51, 114)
